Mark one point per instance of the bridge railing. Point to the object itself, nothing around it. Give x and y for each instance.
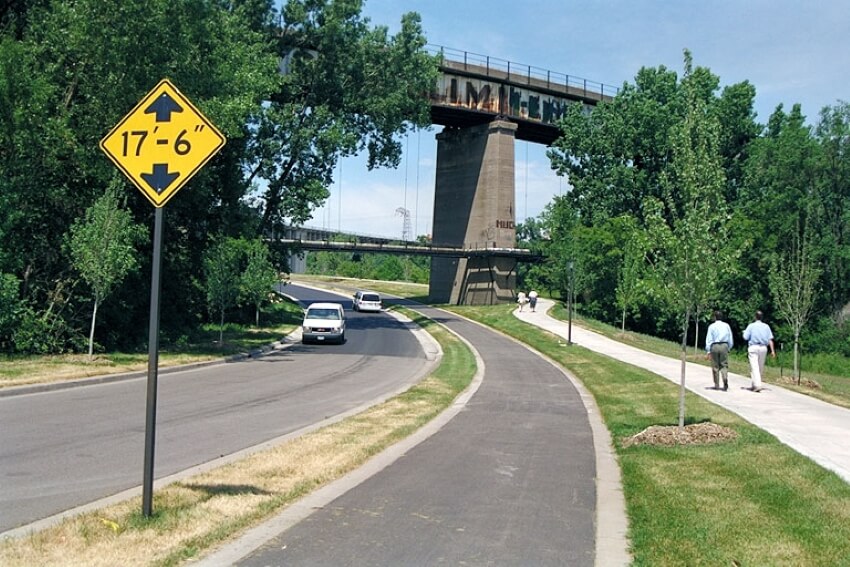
(519, 73)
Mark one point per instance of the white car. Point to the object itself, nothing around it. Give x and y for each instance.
(323, 322)
(367, 301)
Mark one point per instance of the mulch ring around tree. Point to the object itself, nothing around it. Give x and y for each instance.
(670, 435)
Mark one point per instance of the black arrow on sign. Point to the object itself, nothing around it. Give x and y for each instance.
(160, 179)
(163, 106)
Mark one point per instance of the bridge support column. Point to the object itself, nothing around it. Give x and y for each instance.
(474, 208)
(297, 262)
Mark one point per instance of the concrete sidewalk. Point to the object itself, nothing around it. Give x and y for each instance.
(816, 429)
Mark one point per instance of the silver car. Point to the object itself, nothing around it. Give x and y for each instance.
(367, 301)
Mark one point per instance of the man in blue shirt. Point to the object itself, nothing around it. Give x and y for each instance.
(718, 341)
(759, 337)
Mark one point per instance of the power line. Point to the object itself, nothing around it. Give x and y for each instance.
(406, 164)
(526, 182)
(416, 205)
(339, 208)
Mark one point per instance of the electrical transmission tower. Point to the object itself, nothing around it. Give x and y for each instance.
(405, 231)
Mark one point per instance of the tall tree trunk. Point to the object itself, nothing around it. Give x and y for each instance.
(797, 357)
(257, 315)
(696, 335)
(91, 333)
(682, 377)
(221, 330)
(623, 327)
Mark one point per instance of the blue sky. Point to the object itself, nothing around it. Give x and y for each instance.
(792, 51)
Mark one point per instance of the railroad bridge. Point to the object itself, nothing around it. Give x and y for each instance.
(485, 104)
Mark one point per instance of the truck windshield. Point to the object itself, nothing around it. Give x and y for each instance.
(322, 314)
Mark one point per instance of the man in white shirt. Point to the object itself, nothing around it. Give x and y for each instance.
(759, 337)
(718, 342)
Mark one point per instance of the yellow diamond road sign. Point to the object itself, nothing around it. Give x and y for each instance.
(162, 143)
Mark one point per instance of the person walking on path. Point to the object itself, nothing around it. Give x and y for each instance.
(521, 299)
(759, 337)
(532, 300)
(718, 342)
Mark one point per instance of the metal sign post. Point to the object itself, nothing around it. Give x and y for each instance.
(159, 146)
(570, 299)
(153, 366)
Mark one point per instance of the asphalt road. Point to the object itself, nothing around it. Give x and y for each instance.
(510, 480)
(64, 448)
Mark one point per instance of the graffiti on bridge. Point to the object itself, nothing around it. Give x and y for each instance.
(487, 95)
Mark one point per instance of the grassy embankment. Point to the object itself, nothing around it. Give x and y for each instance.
(194, 515)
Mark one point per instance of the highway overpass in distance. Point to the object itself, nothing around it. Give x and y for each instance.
(300, 240)
(413, 249)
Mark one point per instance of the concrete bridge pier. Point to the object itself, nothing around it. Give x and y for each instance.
(474, 207)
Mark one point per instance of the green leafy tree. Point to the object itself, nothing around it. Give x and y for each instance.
(103, 248)
(615, 154)
(832, 210)
(619, 155)
(223, 278)
(738, 129)
(533, 234)
(596, 263)
(67, 75)
(793, 283)
(258, 277)
(347, 87)
(393, 268)
(70, 70)
(689, 230)
(560, 219)
(629, 282)
(780, 180)
(33, 143)
(11, 310)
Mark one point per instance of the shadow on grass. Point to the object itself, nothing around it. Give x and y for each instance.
(412, 300)
(212, 490)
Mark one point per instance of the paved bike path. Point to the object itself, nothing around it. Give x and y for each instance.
(816, 429)
(519, 472)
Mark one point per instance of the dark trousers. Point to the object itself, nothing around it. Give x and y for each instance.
(720, 364)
